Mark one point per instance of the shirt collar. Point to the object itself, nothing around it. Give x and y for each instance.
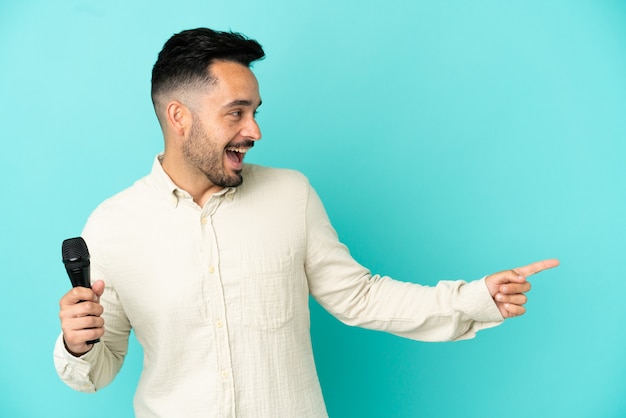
(171, 191)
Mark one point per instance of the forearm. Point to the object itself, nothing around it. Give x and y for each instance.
(451, 310)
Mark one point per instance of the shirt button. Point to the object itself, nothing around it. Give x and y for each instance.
(224, 374)
(218, 323)
(203, 220)
(211, 269)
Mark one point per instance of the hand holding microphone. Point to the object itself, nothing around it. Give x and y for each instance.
(80, 308)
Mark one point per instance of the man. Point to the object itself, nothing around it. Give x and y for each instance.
(211, 261)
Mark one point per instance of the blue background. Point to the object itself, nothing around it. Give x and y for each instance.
(447, 139)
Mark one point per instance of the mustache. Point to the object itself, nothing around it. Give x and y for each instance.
(240, 144)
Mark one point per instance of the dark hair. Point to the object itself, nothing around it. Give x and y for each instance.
(186, 56)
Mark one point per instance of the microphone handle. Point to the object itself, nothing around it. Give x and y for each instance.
(81, 277)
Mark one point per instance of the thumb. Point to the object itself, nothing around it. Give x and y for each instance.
(98, 287)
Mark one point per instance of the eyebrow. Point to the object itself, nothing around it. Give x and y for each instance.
(241, 103)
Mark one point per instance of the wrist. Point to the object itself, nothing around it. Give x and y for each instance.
(73, 353)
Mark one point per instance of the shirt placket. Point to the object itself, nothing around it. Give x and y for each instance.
(216, 303)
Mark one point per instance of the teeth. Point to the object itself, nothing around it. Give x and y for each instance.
(241, 150)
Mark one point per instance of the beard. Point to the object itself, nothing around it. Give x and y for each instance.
(202, 151)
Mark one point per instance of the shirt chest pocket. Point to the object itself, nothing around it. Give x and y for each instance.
(267, 293)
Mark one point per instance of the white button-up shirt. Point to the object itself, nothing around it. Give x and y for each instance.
(218, 297)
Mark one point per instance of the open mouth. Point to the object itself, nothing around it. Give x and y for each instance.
(236, 154)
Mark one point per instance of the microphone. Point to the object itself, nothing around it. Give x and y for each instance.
(76, 259)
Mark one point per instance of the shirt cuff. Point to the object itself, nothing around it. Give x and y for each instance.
(477, 303)
(74, 371)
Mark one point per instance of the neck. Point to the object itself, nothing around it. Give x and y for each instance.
(190, 179)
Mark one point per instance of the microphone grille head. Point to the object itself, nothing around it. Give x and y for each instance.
(74, 249)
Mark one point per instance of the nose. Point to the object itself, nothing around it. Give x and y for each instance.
(251, 130)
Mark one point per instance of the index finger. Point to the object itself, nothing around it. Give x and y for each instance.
(536, 267)
(78, 294)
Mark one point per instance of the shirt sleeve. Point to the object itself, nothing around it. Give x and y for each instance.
(449, 311)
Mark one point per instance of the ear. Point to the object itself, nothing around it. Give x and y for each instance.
(178, 117)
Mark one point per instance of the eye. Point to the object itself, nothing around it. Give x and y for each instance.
(236, 113)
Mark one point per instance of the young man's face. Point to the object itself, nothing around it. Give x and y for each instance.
(224, 126)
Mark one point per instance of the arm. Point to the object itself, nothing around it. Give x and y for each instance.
(451, 310)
